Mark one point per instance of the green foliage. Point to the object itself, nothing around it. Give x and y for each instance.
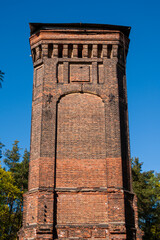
(21, 173)
(12, 157)
(10, 212)
(146, 185)
(14, 183)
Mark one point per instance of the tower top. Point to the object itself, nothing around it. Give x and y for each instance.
(35, 27)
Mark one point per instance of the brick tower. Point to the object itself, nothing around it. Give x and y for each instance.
(80, 173)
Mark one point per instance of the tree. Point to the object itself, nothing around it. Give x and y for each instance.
(19, 169)
(10, 196)
(1, 78)
(1, 146)
(12, 157)
(14, 183)
(21, 172)
(146, 185)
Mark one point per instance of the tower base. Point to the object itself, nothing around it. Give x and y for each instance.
(112, 232)
(48, 201)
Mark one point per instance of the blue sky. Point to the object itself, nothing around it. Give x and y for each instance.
(143, 65)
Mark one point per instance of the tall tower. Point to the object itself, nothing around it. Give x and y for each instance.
(80, 173)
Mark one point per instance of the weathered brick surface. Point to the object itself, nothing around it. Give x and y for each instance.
(114, 167)
(78, 173)
(116, 207)
(37, 174)
(81, 127)
(82, 208)
(79, 178)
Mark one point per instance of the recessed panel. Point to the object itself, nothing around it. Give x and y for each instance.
(39, 76)
(81, 150)
(60, 73)
(81, 127)
(100, 73)
(80, 72)
(82, 208)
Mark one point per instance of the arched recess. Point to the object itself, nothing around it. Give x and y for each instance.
(81, 149)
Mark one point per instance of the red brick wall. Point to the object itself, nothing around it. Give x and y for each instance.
(81, 142)
(79, 178)
(116, 207)
(81, 173)
(32, 209)
(81, 127)
(82, 208)
(114, 167)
